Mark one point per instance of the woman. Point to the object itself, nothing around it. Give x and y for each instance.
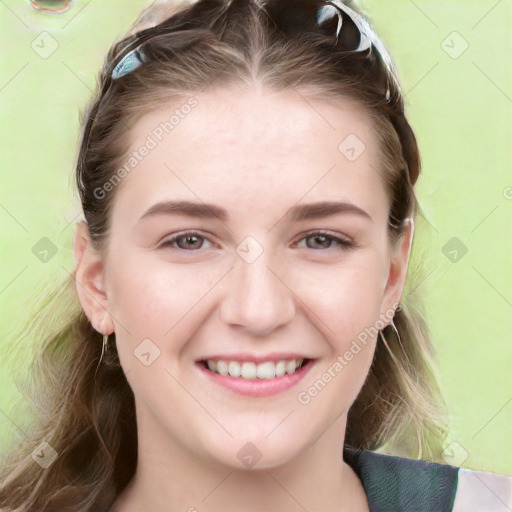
(247, 175)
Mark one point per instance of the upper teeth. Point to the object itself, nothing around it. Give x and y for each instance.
(248, 370)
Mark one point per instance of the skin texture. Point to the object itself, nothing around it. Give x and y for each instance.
(255, 153)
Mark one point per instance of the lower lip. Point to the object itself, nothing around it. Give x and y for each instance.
(258, 387)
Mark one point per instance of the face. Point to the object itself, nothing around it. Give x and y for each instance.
(262, 278)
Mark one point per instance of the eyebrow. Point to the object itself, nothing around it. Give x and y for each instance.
(297, 213)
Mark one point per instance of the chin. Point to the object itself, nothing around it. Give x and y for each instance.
(256, 454)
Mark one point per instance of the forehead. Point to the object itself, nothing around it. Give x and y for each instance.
(278, 120)
(253, 146)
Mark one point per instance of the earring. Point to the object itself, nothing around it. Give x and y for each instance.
(104, 347)
(392, 324)
(397, 334)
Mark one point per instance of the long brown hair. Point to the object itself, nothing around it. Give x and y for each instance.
(85, 412)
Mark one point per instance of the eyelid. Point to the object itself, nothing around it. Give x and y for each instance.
(167, 241)
(343, 242)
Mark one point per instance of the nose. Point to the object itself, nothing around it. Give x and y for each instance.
(257, 298)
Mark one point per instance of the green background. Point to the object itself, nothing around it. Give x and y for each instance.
(459, 102)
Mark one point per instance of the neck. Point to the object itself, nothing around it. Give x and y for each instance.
(317, 480)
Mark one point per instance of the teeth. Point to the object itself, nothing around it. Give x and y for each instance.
(222, 367)
(290, 366)
(234, 369)
(248, 370)
(266, 370)
(280, 368)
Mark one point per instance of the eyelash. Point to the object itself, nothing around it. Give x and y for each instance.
(344, 244)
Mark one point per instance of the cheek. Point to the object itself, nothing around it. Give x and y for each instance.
(348, 305)
(150, 297)
(344, 299)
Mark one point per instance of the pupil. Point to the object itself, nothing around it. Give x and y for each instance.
(322, 240)
(189, 240)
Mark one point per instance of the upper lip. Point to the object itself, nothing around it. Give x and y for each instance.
(246, 357)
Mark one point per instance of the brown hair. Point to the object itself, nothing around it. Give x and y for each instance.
(86, 411)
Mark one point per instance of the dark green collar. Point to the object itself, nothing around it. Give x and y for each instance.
(398, 484)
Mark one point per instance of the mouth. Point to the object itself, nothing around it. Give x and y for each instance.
(251, 370)
(260, 378)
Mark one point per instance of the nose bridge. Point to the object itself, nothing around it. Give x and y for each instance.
(257, 298)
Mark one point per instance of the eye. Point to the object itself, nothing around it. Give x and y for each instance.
(192, 241)
(189, 241)
(324, 240)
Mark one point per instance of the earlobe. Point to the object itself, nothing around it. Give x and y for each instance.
(90, 280)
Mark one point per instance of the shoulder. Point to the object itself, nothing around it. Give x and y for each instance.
(398, 483)
(478, 490)
(401, 484)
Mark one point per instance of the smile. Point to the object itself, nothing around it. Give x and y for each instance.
(251, 370)
(261, 378)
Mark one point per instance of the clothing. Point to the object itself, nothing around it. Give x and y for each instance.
(398, 484)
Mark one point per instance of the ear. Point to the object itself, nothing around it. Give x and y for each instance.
(90, 280)
(399, 264)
